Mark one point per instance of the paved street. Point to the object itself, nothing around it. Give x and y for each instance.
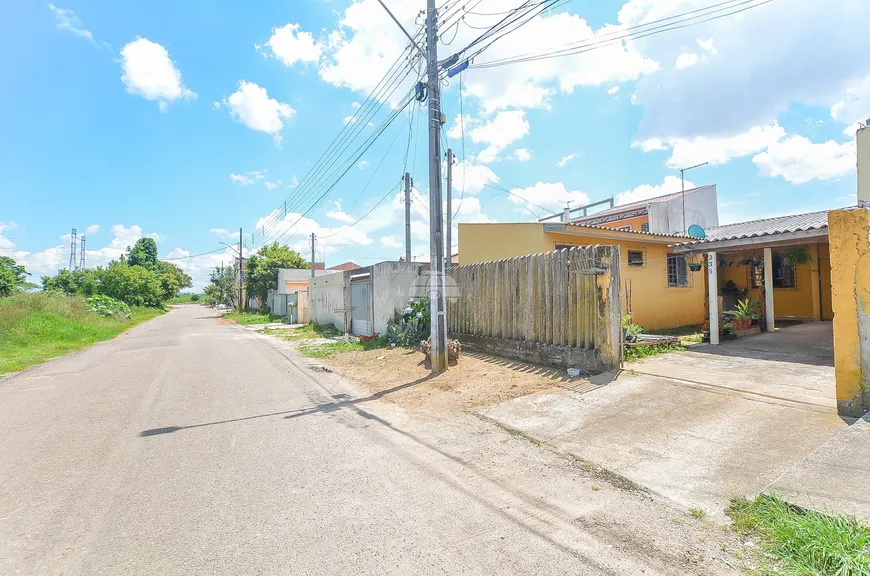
(194, 446)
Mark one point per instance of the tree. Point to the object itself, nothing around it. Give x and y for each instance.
(143, 253)
(262, 269)
(13, 276)
(85, 282)
(172, 279)
(134, 285)
(223, 289)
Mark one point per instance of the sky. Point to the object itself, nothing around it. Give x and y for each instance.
(186, 121)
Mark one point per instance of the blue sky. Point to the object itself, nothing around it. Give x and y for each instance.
(189, 120)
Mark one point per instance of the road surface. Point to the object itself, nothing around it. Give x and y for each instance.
(193, 446)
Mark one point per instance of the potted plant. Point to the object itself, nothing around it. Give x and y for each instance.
(746, 261)
(742, 315)
(796, 256)
(696, 266)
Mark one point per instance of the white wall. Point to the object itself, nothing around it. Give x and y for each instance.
(702, 208)
(391, 286)
(325, 294)
(863, 141)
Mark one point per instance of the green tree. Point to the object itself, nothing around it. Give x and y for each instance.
(13, 276)
(143, 253)
(84, 282)
(173, 279)
(135, 285)
(223, 289)
(262, 269)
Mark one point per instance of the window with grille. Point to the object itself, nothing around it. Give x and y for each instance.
(635, 258)
(645, 227)
(678, 271)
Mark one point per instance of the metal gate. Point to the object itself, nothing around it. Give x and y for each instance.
(361, 300)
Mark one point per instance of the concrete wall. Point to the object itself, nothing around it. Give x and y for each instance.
(849, 236)
(391, 287)
(325, 294)
(863, 142)
(590, 361)
(702, 208)
(653, 303)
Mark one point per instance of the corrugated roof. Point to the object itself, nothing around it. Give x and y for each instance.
(767, 227)
(635, 232)
(641, 203)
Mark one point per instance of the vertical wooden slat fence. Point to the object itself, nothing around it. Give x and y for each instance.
(567, 298)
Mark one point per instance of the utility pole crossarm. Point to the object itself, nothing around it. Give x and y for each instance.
(399, 24)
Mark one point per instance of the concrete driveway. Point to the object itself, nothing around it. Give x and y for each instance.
(708, 424)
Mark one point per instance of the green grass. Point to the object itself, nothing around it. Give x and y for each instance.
(802, 542)
(697, 513)
(688, 330)
(330, 350)
(635, 353)
(35, 327)
(187, 299)
(246, 318)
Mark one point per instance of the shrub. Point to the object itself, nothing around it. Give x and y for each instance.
(107, 306)
(408, 327)
(630, 330)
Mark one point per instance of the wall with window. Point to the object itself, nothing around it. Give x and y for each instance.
(797, 292)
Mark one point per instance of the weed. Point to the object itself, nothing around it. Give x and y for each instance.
(635, 353)
(247, 318)
(329, 350)
(596, 488)
(697, 513)
(803, 541)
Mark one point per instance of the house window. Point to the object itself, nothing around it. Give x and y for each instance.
(624, 228)
(783, 274)
(756, 277)
(635, 258)
(678, 271)
(644, 227)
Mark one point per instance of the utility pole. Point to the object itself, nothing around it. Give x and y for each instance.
(449, 244)
(72, 250)
(407, 217)
(241, 260)
(436, 237)
(312, 255)
(82, 265)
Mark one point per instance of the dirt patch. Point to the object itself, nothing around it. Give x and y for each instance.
(401, 376)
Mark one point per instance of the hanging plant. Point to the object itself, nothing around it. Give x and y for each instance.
(695, 266)
(746, 261)
(797, 256)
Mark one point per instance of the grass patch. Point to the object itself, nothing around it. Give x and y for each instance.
(688, 330)
(803, 542)
(247, 318)
(329, 350)
(35, 327)
(187, 299)
(307, 332)
(697, 513)
(635, 353)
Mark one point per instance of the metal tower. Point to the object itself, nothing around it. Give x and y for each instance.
(72, 250)
(82, 249)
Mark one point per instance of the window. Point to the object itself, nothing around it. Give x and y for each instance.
(678, 271)
(756, 277)
(644, 227)
(635, 258)
(624, 228)
(783, 274)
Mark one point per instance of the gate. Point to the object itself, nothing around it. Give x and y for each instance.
(361, 301)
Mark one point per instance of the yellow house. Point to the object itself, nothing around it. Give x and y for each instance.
(659, 289)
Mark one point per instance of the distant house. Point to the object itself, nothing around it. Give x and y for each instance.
(661, 215)
(343, 267)
(319, 266)
(291, 281)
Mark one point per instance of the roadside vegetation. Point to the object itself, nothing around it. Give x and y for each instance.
(187, 299)
(35, 327)
(77, 308)
(794, 541)
(248, 318)
(631, 333)
(310, 340)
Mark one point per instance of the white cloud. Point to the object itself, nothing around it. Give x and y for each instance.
(289, 45)
(564, 161)
(686, 59)
(471, 178)
(215, 105)
(506, 128)
(67, 20)
(719, 150)
(522, 155)
(798, 160)
(547, 196)
(241, 179)
(855, 105)
(150, 73)
(362, 164)
(92, 229)
(270, 185)
(251, 106)
(613, 90)
(222, 233)
(297, 229)
(336, 213)
(707, 45)
(294, 182)
(391, 242)
(670, 185)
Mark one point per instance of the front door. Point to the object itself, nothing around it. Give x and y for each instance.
(361, 300)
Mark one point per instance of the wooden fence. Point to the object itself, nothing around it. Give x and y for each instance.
(567, 298)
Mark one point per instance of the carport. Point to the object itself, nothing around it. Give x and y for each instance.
(782, 262)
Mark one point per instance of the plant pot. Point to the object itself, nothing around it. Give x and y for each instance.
(695, 266)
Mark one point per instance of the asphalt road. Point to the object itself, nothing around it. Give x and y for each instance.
(193, 446)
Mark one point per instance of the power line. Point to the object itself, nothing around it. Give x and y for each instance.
(192, 255)
(363, 217)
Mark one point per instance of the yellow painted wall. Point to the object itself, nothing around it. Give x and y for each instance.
(824, 259)
(653, 304)
(848, 232)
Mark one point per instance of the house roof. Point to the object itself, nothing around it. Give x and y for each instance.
(633, 232)
(642, 203)
(767, 227)
(300, 275)
(345, 266)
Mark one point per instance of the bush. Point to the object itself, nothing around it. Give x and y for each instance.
(630, 330)
(135, 285)
(408, 327)
(107, 306)
(194, 298)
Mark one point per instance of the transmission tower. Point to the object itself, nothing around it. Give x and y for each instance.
(72, 250)
(82, 249)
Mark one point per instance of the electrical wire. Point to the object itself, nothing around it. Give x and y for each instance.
(363, 217)
(462, 129)
(375, 171)
(192, 255)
